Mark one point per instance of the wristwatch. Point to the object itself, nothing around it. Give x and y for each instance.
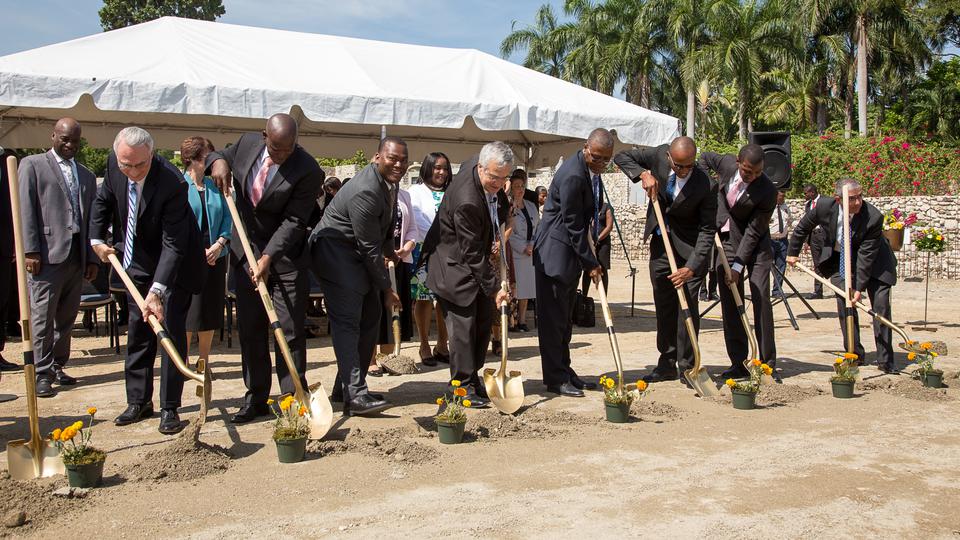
(157, 291)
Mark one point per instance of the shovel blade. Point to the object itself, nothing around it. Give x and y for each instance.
(24, 464)
(505, 393)
(321, 413)
(701, 382)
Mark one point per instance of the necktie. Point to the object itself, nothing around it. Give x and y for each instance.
(732, 191)
(596, 206)
(671, 186)
(132, 200)
(74, 193)
(260, 182)
(843, 259)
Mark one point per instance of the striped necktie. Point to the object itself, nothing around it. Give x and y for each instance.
(132, 200)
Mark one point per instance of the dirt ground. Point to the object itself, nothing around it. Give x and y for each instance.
(805, 464)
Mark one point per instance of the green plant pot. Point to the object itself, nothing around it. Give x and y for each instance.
(450, 432)
(932, 379)
(842, 389)
(291, 450)
(85, 476)
(618, 413)
(744, 400)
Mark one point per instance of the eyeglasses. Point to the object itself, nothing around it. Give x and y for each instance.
(128, 166)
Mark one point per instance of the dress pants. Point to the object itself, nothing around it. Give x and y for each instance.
(673, 341)
(780, 260)
(469, 328)
(879, 293)
(354, 328)
(555, 327)
(54, 303)
(734, 334)
(816, 248)
(142, 346)
(289, 293)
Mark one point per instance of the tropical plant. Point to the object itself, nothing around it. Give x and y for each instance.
(545, 48)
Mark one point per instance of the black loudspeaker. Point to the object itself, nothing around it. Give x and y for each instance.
(776, 156)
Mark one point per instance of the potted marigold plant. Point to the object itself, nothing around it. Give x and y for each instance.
(845, 372)
(290, 429)
(929, 375)
(744, 393)
(84, 463)
(452, 419)
(617, 401)
(894, 222)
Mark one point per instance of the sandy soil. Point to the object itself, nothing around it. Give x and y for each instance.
(804, 464)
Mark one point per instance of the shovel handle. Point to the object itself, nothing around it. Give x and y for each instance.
(847, 271)
(504, 322)
(395, 317)
(751, 337)
(608, 320)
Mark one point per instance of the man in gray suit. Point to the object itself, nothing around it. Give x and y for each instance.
(348, 248)
(56, 194)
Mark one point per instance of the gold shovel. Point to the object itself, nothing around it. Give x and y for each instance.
(697, 376)
(35, 458)
(167, 343)
(320, 410)
(504, 389)
(936, 345)
(393, 363)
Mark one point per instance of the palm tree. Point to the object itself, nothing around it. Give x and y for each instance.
(686, 25)
(747, 39)
(590, 60)
(795, 98)
(545, 49)
(641, 44)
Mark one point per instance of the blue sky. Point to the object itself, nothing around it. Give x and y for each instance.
(478, 24)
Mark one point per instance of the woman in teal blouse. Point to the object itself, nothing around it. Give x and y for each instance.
(210, 209)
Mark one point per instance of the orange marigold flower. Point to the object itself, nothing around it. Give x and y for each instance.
(926, 345)
(439, 401)
(755, 362)
(641, 385)
(460, 391)
(911, 356)
(731, 383)
(850, 356)
(92, 411)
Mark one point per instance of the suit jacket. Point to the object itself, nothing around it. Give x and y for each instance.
(870, 252)
(360, 222)
(691, 217)
(278, 224)
(750, 215)
(167, 247)
(561, 248)
(46, 212)
(458, 244)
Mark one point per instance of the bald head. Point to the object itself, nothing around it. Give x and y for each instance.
(66, 138)
(683, 146)
(280, 137)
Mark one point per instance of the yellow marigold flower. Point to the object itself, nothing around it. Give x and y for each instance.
(270, 401)
(911, 342)
(911, 356)
(731, 383)
(68, 434)
(92, 411)
(284, 405)
(466, 403)
(609, 383)
(934, 354)
(56, 434)
(78, 425)
(838, 361)
(439, 401)
(926, 345)
(755, 362)
(460, 392)
(850, 356)
(767, 370)
(455, 383)
(641, 385)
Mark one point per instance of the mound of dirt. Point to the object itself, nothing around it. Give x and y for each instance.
(655, 410)
(35, 499)
(184, 459)
(907, 388)
(401, 365)
(786, 394)
(391, 444)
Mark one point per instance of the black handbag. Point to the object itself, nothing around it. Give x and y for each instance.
(584, 311)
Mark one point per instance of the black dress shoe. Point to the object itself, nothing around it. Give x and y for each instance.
(338, 397)
(250, 412)
(477, 401)
(62, 378)
(8, 366)
(429, 361)
(443, 358)
(889, 370)
(565, 389)
(814, 296)
(170, 422)
(134, 413)
(45, 387)
(735, 372)
(661, 376)
(581, 384)
(365, 404)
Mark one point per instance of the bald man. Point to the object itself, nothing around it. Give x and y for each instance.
(276, 183)
(56, 194)
(688, 200)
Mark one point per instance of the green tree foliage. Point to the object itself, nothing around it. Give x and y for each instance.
(358, 159)
(122, 13)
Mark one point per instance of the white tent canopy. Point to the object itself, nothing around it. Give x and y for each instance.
(180, 77)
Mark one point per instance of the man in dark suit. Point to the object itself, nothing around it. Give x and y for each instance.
(276, 183)
(56, 194)
(746, 201)
(816, 238)
(688, 199)
(348, 250)
(145, 201)
(561, 251)
(459, 266)
(8, 255)
(874, 267)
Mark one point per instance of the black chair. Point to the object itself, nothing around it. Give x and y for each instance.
(97, 295)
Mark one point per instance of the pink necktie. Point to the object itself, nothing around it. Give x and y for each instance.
(260, 182)
(732, 193)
